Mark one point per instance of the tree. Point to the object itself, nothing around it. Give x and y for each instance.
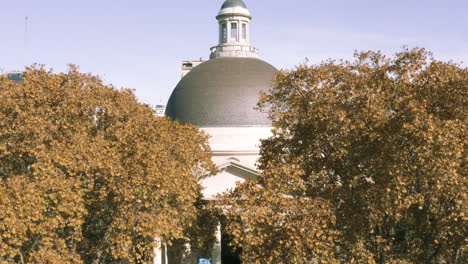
(367, 164)
(88, 174)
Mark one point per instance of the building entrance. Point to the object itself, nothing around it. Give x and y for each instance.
(229, 255)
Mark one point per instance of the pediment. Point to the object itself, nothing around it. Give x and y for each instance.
(231, 174)
(239, 170)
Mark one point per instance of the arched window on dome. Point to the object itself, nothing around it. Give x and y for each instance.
(244, 31)
(224, 32)
(233, 159)
(234, 33)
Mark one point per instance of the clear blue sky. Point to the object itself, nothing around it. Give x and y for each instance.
(140, 44)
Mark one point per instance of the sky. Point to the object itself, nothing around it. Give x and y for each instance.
(140, 44)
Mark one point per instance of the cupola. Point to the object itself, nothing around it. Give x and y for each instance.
(234, 31)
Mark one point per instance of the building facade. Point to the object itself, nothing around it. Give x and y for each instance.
(220, 97)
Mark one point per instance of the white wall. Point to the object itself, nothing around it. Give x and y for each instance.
(236, 149)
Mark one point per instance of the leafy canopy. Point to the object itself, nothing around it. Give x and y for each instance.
(367, 164)
(88, 174)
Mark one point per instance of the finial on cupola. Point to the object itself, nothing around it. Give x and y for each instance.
(234, 31)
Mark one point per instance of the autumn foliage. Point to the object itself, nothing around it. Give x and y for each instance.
(88, 174)
(367, 164)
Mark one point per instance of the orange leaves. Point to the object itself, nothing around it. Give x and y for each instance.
(89, 174)
(381, 140)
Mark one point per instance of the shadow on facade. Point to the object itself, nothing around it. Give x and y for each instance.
(229, 255)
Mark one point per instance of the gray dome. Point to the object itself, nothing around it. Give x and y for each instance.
(222, 92)
(234, 3)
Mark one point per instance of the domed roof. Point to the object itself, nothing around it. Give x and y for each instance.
(234, 3)
(222, 92)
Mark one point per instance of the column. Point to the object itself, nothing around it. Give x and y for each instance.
(187, 257)
(220, 33)
(248, 32)
(158, 254)
(164, 255)
(239, 31)
(216, 253)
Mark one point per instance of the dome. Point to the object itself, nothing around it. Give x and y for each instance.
(234, 3)
(222, 92)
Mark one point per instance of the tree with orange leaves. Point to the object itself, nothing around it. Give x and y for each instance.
(367, 164)
(90, 175)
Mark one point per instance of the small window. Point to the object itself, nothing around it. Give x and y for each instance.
(187, 65)
(244, 31)
(234, 31)
(224, 32)
(16, 77)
